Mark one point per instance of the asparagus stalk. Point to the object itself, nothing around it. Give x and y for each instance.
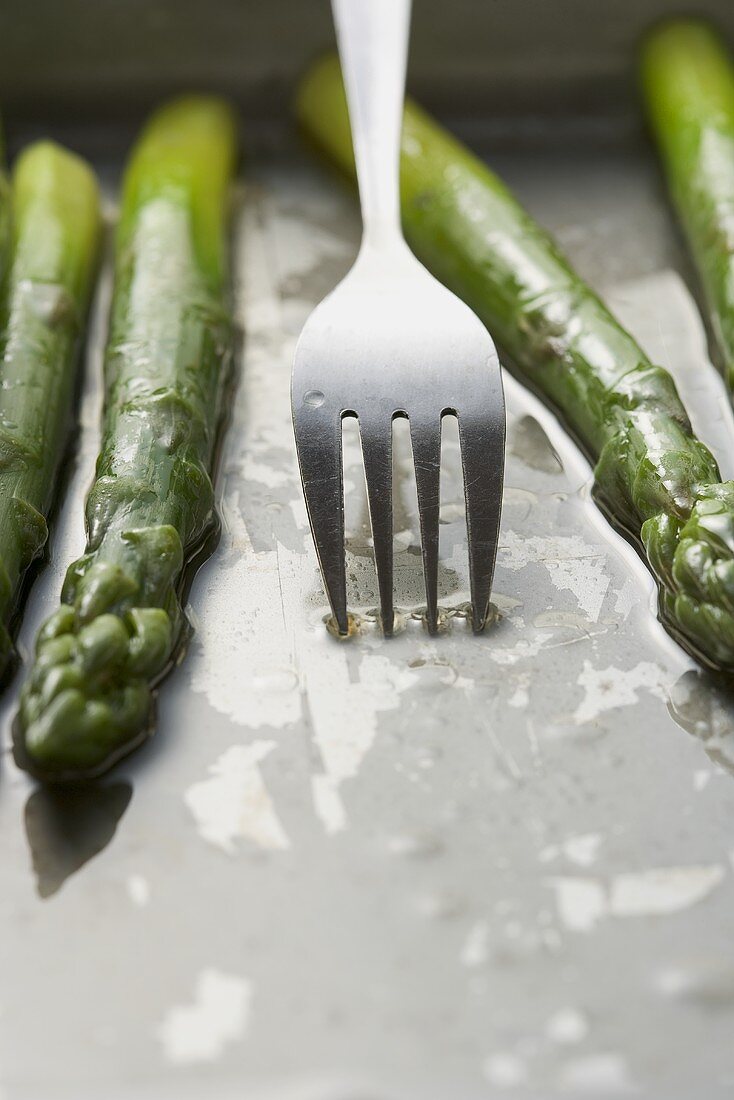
(167, 369)
(653, 477)
(688, 88)
(53, 255)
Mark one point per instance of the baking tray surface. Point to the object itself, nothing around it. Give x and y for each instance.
(428, 867)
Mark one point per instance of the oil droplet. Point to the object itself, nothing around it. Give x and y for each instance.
(353, 627)
(436, 673)
(561, 619)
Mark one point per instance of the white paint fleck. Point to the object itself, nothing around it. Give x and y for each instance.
(219, 1015)
(234, 803)
(596, 1073)
(523, 649)
(328, 803)
(606, 688)
(520, 697)
(505, 1070)
(243, 640)
(138, 888)
(627, 596)
(581, 902)
(343, 743)
(276, 582)
(474, 950)
(571, 562)
(663, 890)
(567, 1026)
(701, 778)
(264, 473)
(584, 577)
(583, 849)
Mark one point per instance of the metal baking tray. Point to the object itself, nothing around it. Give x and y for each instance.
(436, 867)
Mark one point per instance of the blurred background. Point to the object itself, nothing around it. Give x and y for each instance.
(103, 56)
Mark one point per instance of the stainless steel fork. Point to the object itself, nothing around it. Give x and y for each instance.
(390, 341)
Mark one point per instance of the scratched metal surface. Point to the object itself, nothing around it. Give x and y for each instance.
(426, 868)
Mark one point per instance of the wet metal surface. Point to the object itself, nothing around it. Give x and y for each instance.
(451, 866)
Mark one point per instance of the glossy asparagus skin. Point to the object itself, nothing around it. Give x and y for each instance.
(688, 87)
(51, 265)
(653, 477)
(167, 370)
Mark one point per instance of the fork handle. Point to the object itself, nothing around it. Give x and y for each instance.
(372, 36)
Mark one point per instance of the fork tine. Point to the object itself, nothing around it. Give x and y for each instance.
(376, 438)
(425, 435)
(319, 447)
(482, 458)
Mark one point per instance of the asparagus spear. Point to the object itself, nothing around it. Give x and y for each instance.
(688, 87)
(53, 254)
(167, 368)
(653, 477)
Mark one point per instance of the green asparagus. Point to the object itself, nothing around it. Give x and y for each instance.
(688, 86)
(88, 699)
(52, 261)
(653, 477)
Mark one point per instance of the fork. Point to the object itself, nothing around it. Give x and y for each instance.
(390, 341)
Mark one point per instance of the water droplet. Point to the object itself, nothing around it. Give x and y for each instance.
(314, 398)
(353, 627)
(435, 673)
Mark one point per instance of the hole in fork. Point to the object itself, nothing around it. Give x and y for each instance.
(406, 535)
(454, 571)
(361, 575)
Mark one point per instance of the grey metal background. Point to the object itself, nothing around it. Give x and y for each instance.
(103, 56)
(454, 867)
